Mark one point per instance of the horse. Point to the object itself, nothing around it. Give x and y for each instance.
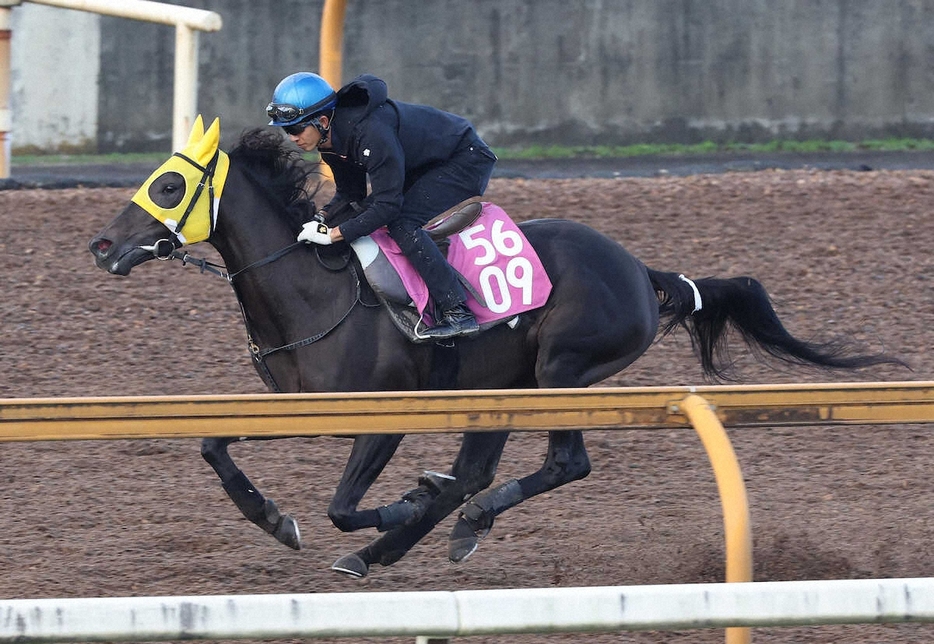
(313, 326)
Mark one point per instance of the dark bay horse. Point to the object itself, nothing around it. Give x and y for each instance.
(313, 327)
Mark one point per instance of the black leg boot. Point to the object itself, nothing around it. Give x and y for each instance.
(455, 322)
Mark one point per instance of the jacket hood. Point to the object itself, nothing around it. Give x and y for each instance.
(366, 91)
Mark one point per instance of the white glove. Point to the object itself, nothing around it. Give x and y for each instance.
(314, 232)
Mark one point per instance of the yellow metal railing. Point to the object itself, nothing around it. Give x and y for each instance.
(706, 409)
(265, 415)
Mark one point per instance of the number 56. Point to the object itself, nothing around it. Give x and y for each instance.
(504, 242)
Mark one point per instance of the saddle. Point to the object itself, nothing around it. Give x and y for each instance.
(404, 295)
(385, 280)
(453, 220)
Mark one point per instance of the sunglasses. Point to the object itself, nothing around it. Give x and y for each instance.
(296, 129)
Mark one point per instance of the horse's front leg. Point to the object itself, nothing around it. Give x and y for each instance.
(254, 506)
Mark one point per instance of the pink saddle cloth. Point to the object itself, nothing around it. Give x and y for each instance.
(494, 256)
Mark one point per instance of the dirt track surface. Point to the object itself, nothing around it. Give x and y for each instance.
(841, 252)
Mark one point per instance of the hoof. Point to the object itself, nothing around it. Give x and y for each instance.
(460, 549)
(287, 532)
(351, 565)
(463, 541)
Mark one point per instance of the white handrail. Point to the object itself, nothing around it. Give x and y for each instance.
(188, 21)
(167, 14)
(468, 612)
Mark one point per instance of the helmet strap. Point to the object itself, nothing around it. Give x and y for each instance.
(325, 132)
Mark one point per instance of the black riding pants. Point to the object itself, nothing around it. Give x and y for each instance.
(464, 175)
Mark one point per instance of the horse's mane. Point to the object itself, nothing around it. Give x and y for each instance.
(279, 171)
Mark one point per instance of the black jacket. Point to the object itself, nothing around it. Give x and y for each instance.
(391, 142)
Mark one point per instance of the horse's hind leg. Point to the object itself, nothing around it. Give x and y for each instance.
(254, 506)
(567, 461)
(603, 322)
(580, 359)
(473, 470)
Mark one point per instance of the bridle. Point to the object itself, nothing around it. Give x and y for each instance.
(170, 248)
(207, 179)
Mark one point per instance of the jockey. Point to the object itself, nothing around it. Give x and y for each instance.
(420, 161)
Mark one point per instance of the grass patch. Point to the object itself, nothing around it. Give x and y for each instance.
(152, 158)
(709, 147)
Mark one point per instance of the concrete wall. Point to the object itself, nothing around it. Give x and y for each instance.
(525, 71)
(54, 73)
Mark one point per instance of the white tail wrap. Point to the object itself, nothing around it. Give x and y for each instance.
(698, 304)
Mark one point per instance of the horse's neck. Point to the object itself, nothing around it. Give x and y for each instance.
(278, 297)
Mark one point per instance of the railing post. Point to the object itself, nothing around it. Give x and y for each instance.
(6, 118)
(188, 22)
(185, 96)
(736, 523)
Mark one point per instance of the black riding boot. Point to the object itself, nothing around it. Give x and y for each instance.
(457, 321)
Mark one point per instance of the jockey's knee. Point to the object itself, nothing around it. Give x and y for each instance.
(409, 235)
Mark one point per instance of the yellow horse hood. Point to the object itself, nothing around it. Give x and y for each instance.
(185, 191)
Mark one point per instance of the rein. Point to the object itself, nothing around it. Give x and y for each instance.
(218, 269)
(258, 354)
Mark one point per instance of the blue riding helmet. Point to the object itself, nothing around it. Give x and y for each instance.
(298, 97)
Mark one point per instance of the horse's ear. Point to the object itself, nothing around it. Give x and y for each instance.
(197, 132)
(207, 146)
(214, 132)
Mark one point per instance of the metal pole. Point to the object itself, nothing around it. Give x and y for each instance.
(329, 52)
(185, 99)
(332, 36)
(428, 412)
(6, 115)
(736, 523)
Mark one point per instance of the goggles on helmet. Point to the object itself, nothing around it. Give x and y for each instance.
(288, 114)
(283, 112)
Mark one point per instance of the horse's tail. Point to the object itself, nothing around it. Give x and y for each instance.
(743, 304)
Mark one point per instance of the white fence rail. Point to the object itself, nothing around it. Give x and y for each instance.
(188, 22)
(468, 612)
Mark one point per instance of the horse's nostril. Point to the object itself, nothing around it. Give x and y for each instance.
(101, 246)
